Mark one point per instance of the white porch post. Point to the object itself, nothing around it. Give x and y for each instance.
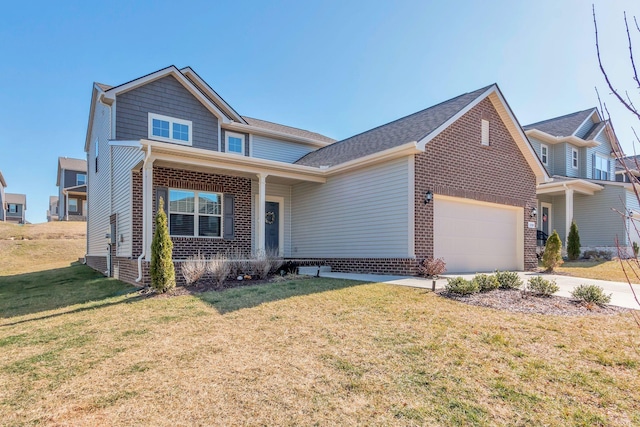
(262, 199)
(147, 207)
(568, 196)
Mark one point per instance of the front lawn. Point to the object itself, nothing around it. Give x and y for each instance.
(602, 270)
(313, 351)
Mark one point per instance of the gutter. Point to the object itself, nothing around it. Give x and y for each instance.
(145, 208)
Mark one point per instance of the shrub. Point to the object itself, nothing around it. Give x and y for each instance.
(636, 249)
(219, 267)
(573, 242)
(596, 255)
(591, 294)
(432, 267)
(163, 275)
(193, 268)
(552, 256)
(541, 286)
(238, 262)
(486, 282)
(508, 279)
(460, 286)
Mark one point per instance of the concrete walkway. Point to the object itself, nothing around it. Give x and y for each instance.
(621, 294)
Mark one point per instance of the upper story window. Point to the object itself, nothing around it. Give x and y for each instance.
(544, 154)
(601, 167)
(81, 179)
(169, 129)
(193, 213)
(574, 158)
(13, 208)
(234, 143)
(485, 132)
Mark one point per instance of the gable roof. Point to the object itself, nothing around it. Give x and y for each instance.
(67, 163)
(18, 199)
(411, 128)
(561, 126)
(287, 129)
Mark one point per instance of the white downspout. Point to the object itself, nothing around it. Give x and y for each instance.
(145, 209)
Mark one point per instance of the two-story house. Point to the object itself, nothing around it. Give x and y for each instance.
(15, 208)
(72, 189)
(52, 212)
(376, 202)
(579, 152)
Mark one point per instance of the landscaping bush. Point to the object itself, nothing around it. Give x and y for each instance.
(193, 268)
(432, 267)
(266, 262)
(508, 279)
(573, 242)
(163, 275)
(541, 286)
(460, 286)
(595, 255)
(591, 294)
(552, 256)
(486, 282)
(219, 267)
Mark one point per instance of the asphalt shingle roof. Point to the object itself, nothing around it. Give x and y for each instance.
(18, 199)
(406, 129)
(563, 125)
(631, 162)
(287, 129)
(70, 164)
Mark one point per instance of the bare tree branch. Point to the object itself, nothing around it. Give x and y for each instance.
(633, 64)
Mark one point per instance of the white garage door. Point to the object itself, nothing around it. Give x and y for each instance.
(475, 237)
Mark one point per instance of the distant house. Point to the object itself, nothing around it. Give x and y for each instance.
(72, 189)
(3, 210)
(579, 152)
(456, 180)
(16, 205)
(52, 212)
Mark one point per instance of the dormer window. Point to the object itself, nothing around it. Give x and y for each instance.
(234, 143)
(169, 129)
(544, 154)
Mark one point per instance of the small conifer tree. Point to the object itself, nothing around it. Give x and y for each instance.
(573, 242)
(552, 256)
(163, 275)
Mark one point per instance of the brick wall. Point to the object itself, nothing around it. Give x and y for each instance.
(98, 263)
(455, 163)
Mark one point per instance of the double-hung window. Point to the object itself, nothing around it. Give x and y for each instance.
(574, 158)
(194, 213)
(544, 154)
(601, 167)
(13, 208)
(73, 205)
(170, 129)
(234, 143)
(81, 179)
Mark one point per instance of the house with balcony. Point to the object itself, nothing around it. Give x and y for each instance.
(72, 189)
(579, 151)
(376, 202)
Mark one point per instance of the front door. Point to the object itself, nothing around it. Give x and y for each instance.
(272, 227)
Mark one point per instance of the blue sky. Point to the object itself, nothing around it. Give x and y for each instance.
(337, 68)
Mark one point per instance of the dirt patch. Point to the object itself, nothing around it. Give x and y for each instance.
(516, 301)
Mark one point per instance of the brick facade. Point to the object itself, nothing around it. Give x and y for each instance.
(455, 163)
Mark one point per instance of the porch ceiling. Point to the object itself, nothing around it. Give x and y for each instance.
(558, 188)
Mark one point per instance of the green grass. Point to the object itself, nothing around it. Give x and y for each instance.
(80, 349)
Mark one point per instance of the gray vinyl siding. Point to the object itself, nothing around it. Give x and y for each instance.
(603, 149)
(597, 223)
(223, 141)
(559, 159)
(124, 159)
(168, 97)
(574, 173)
(98, 199)
(632, 232)
(276, 190)
(363, 213)
(274, 149)
(537, 146)
(70, 178)
(558, 216)
(584, 129)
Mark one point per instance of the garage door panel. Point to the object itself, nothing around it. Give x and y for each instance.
(473, 237)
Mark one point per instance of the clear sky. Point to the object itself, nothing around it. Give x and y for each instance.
(334, 67)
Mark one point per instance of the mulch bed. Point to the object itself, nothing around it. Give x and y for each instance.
(513, 300)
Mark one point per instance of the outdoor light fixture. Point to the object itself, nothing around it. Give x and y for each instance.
(534, 213)
(428, 197)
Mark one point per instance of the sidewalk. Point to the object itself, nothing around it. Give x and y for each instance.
(621, 294)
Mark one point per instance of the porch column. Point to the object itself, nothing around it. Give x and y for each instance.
(147, 207)
(568, 196)
(262, 200)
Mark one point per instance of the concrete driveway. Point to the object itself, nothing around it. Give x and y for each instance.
(621, 294)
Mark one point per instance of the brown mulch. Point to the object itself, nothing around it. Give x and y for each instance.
(516, 301)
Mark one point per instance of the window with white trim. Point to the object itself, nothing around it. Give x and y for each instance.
(73, 205)
(544, 154)
(81, 179)
(13, 208)
(234, 143)
(485, 132)
(195, 213)
(574, 158)
(601, 168)
(170, 129)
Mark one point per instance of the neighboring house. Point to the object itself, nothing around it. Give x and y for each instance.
(3, 208)
(627, 168)
(456, 180)
(15, 208)
(579, 151)
(52, 212)
(72, 189)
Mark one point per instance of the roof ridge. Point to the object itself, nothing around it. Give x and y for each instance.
(575, 113)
